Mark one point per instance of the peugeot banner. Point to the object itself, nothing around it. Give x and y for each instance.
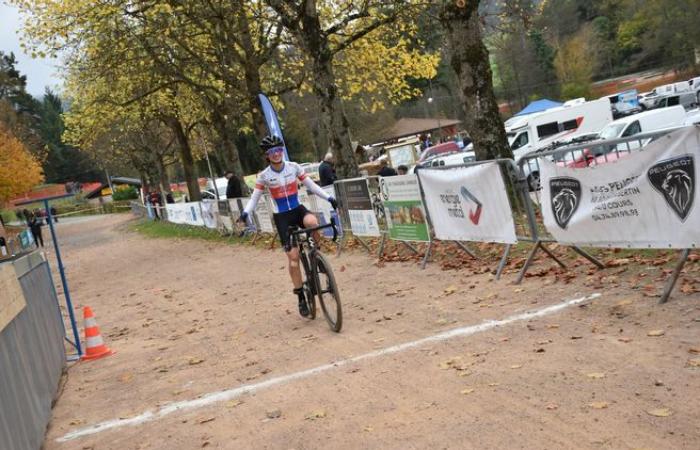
(468, 204)
(641, 200)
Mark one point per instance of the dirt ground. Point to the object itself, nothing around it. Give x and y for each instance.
(189, 318)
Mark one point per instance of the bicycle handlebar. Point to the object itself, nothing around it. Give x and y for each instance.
(320, 227)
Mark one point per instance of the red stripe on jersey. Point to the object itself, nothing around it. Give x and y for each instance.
(283, 191)
(260, 186)
(302, 176)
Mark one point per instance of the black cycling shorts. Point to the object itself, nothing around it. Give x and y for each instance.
(284, 220)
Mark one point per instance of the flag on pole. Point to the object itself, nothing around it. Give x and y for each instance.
(273, 125)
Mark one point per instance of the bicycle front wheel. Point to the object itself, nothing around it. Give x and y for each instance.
(328, 294)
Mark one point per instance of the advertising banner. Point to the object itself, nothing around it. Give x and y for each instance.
(403, 206)
(210, 213)
(363, 220)
(645, 199)
(468, 204)
(263, 213)
(225, 215)
(184, 213)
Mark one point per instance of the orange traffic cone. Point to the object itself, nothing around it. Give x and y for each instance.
(94, 345)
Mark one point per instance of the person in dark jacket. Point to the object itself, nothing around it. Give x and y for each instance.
(386, 171)
(35, 223)
(326, 171)
(233, 188)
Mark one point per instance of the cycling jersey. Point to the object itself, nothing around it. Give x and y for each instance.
(283, 187)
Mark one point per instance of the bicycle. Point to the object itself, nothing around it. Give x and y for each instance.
(319, 279)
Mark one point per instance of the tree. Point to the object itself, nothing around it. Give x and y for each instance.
(469, 59)
(19, 170)
(323, 29)
(574, 64)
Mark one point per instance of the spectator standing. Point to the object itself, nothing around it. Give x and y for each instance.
(386, 171)
(156, 202)
(35, 228)
(233, 188)
(326, 171)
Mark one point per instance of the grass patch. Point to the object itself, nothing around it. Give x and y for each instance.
(165, 230)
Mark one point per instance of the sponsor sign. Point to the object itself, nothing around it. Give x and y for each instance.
(468, 204)
(185, 213)
(403, 206)
(643, 200)
(363, 220)
(210, 213)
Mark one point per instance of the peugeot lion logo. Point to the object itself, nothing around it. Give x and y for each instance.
(565, 193)
(674, 179)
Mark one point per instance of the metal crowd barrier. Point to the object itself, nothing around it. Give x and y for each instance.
(583, 155)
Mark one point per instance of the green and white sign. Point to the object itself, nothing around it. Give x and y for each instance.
(403, 206)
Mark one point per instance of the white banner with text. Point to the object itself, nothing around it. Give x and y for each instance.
(468, 204)
(643, 199)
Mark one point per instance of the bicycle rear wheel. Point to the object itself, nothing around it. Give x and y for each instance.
(328, 294)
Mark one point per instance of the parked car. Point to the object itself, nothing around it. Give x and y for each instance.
(694, 84)
(445, 147)
(686, 99)
(451, 159)
(644, 122)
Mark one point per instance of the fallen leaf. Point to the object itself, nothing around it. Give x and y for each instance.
(274, 414)
(598, 405)
(625, 339)
(694, 362)
(656, 333)
(596, 375)
(450, 290)
(368, 429)
(195, 361)
(467, 391)
(320, 414)
(494, 384)
(659, 412)
(126, 377)
(694, 350)
(206, 419)
(553, 326)
(233, 403)
(516, 366)
(75, 422)
(552, 406)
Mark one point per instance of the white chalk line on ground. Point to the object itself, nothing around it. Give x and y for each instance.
(228, 394)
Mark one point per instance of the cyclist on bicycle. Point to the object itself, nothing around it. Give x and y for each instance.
(280, 178)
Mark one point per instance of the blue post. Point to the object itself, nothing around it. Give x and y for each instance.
(69, 303)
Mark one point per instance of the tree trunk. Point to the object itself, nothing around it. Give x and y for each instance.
(333, 119)
(251, 70)
(186, 159)
(227, 147)
(162, 175)
(470, 61)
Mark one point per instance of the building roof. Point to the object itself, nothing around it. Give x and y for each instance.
(97, 191)
(411, 126)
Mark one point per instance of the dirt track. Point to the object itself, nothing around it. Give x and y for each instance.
(188, 318)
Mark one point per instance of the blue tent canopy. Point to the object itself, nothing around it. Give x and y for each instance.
(537, 106)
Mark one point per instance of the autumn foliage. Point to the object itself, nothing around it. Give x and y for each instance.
(19, 171)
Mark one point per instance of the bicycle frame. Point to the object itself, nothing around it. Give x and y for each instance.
(302, 238)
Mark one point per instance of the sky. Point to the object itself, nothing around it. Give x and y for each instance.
(40, 72)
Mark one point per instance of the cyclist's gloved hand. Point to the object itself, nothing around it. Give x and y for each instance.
(243, 218)
(333, 202)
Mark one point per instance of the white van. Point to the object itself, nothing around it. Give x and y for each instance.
(557, 124)
(644, 122)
